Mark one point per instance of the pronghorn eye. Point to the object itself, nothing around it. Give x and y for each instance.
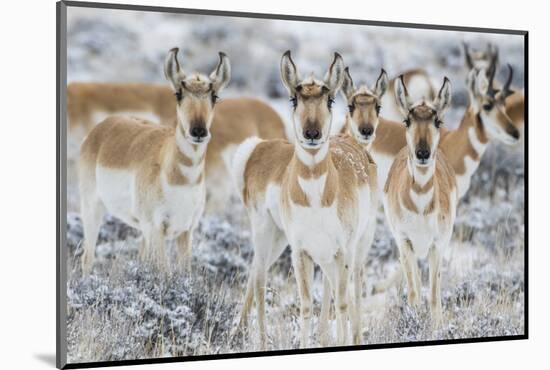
(179, 95)
(215, 98)
(294, 102)
(378, 109)
(488, 106)
(351, 108)
(330, 101)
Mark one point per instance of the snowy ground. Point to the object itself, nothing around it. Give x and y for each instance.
(127, 309)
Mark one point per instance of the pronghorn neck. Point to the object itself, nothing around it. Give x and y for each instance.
(471, 140)
(186, 160)
(312, 159)
(419, 197)
(420, 176)
(310, 171)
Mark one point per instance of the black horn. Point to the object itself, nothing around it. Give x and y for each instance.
(491, 71)
(506, 91)
(467, 56)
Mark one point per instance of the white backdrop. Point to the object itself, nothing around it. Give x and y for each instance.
(27, 149)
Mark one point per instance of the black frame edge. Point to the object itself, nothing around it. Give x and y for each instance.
(61, 210)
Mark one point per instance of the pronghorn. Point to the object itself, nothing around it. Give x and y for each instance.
(316, 195)
(420, 86)
(420, 195)
(485, 118)
(151, 176)
(236, 120)
(463, 147)
(488, 60)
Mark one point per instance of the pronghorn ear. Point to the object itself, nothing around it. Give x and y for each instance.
(467, 56)
(381, 84)
(481, 83)
(222, 74)
(471, 82)
(347, 84)
(443, 100)
(335, 74)
(172, 71)
(402, 96)
(289, 73)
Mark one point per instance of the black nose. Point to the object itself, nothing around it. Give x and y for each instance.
(198, 131)
(423, 154)
(366, 131)
(312, 134)
(514, 132)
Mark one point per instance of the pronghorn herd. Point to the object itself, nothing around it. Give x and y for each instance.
(301, 184)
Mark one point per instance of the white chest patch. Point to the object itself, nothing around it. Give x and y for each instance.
(314, 189)
(192, 173)
(463, 181)
(316, 230)
(478, 146)
(383, 163)
(420, 230)
(421, 200)
(181, 208)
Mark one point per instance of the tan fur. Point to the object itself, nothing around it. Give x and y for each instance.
(236, 119)
(515, 108)
(400, 182)
(86, 98)
(390, 137)
(408, 76)
(347, 161)
(456, 144)
(146, 154)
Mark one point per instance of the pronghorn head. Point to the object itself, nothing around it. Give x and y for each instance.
(489, 103)
(312, 100)
(364, 106)
(423, 120)
(481, 59)
(196, 95)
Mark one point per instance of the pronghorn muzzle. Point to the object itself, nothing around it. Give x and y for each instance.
(198, 130)
(366, 131)
(312, 132)
(423, 152)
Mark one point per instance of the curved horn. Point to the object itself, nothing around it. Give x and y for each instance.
(467, 55)
(491, 71)
(506, 91)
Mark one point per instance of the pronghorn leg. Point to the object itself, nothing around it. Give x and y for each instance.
(324, 317)
(158, 250)
(184, 245)
(337, 272)
(435, 285)
(247, 305)
(259, 275)
(408, 261)
(358, 276)
(145, 253)
(92, 212)
(355, 312)
(303, 270)
(269, 243)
